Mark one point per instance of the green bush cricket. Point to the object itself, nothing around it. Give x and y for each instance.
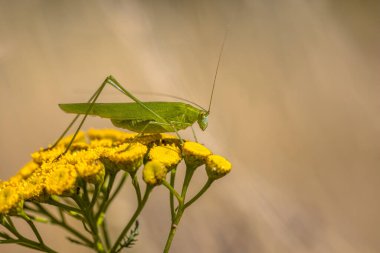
(141, 117)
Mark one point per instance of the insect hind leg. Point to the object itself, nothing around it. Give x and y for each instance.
(114, 83)
(92, 101)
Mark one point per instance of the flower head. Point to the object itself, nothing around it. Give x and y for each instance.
(195, 154)
(33, 187)
(87, 164)
(101, 143)
(9, 197)
(28, 169)
(154, 172)
(61, 179)
(217, 166)
(66, 140)
(110, 134)
(128, 156)
(47, 155)
(168, 155)
(77, 146)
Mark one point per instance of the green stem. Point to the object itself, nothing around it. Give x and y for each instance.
(133, 219)
(11, 227)
(64, 225)
(181, 208)
(29, 244)
(101, 221)
(136, 185)
(90, 220)
(95, 196)
(63, 206)
(172, 190)
(106, 196)
(118, 188)
(25, 241)
(85, 192)
(172, 182)
(105, 234)
(189, 174)
(62, 215)
(200, 193)
(173, 227)
(33, 227)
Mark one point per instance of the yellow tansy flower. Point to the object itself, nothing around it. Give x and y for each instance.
(217, 166)
(157, 138)
(28, 169)
(47, 155)
(66, 140)
(61, 179)
(87, 165)
(195, 154)
(33, 187)
(154, 172)
(77, 146)
(111, 134)
(9, 197)
(147, 139)
(168, 155)
(101, 143)
(128, 156)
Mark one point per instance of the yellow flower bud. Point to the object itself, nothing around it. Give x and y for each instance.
(195, 154)
(128, 157)
(62, 179)
(87, 164)
(9, 197)
(217, 166)
(154, 172)
(168, 155)
(28, 169)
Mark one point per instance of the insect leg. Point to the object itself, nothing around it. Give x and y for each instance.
(143, 132)
(92, 101)
(112, 81)
(73, 121)
(195, 136)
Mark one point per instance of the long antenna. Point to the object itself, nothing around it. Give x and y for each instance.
(217, 68)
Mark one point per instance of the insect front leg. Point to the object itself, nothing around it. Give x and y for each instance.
(194, 135)
(92, 101)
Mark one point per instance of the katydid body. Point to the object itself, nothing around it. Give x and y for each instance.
(162, 116)
(140, 117)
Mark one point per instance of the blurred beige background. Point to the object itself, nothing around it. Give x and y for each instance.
(296, 110)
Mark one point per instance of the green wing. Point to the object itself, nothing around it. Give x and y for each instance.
(170, 111)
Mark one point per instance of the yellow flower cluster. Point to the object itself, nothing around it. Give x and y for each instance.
(57, 171)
